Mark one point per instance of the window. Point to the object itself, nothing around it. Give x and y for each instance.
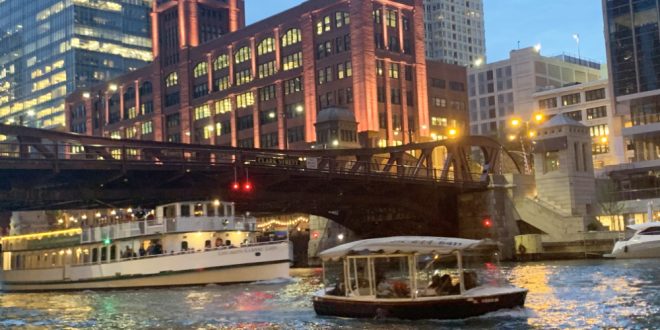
(266, 46)
(456, 86)
(394, 70)
(146, 89)
(596, 94)
(244, 100)
(550, 161)
(244, 122)
(222, 83)
(147, 127)
(575, 115)
(200, 69)
(147, 107)
(267, 116)
(172, 121)
(294, 110)
(439, 121)
(323, 49)
(395, 96)
(171, 80)
(200, 90)
(242, 55)
(599, 130)
(246, 143)
(293, 86)
(548, 103)
(268, 140)
(243, 77)
(202, 111)
(439, 102)
(295, 134)
(391, 18)
(172, 99)
(267, 69)
(292, 36)
(570, 99)
(267, 93)
(221, 62)
(380, 67)
(377, 16)
(223, 106)
(599, 148)
(292, 61)
(437, 83)
(598, 112)
(342, 18)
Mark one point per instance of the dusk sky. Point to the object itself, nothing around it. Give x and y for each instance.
(550, 23)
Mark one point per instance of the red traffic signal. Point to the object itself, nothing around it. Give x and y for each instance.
(236, 186)
(247, 186)
(487, 222)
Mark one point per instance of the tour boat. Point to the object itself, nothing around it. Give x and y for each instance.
(189, 243)
(645, 243)
(411, 277)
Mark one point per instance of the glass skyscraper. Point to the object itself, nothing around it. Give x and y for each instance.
(49, 48)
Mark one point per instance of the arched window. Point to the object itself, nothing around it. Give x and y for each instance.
(221, 62)
(200, 69)
(292, 36)
(146, 88)
(266, 46)
(129, 94)
(172, 80)
(242, 55)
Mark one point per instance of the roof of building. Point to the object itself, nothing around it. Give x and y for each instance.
(560, 120)
(335, 114)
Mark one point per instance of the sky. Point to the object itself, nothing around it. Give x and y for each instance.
(551, 23)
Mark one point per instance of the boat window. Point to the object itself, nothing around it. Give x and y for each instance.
(207, 244)
(359, 277)
(184, 245)
(650, 231)
(185, 210)
(198, 211)
(437, 275)
(169, 211)
(85, 256)
(392, 277)
(333, 277)
(113, 252)
(104, 254)
(210, 210)
(95, 254)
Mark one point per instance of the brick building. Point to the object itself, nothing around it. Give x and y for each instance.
(215, 81)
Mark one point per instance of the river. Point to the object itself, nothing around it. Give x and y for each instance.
(573, 294)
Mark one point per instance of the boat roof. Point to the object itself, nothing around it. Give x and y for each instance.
(642, 226)
(405, 244)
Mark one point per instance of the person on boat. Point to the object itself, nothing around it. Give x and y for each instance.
(142, 251)
(470, 279)
(442, 284)
(218, 242)
(158, 249)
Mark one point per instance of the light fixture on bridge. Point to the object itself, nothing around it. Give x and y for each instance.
(247, 187)
(453, 132)
(112, 87)
(216, 202)
(235, 186)
(340, 237)
(86, 95)
(335, 143)
(487, 222)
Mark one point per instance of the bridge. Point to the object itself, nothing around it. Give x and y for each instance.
(374, 192)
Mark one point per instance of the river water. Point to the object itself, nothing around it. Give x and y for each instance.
(562, 294)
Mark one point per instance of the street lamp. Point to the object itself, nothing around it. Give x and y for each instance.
(523, 128)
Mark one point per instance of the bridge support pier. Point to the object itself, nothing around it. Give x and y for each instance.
(489, 214)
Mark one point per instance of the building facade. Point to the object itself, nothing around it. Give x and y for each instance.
(501, 91)
(590, 104)
(264, 84)
(447, 89)
(455, 31)
(48, 48)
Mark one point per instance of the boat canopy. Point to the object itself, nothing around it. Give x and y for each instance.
(406, 244)
(642, 226)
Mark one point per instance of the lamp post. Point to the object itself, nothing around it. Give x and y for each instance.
(577, 41)
(524, 131)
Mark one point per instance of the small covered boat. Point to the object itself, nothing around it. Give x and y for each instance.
(414, 277)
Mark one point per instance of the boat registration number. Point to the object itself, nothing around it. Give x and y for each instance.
(484, 300)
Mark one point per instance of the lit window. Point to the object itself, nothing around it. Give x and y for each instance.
(172, 80)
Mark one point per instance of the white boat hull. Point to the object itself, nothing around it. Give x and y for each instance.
(246, 264)
(636, 249)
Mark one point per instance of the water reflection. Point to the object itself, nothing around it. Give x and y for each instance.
(567, 294)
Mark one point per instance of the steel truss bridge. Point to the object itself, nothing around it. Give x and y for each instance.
(374, 192)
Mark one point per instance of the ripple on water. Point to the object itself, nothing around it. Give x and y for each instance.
(565, 294)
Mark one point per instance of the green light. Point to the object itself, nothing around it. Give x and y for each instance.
(106, 241)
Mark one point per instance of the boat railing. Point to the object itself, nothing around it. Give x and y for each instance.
(174, 253)
(167, 225)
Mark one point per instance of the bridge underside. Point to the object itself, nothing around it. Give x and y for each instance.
(369, 208)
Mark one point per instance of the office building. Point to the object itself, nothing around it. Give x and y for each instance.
(264, 84)
(48, 48)
(504, 90)
(455, 31)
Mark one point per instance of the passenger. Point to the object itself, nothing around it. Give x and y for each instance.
(158, 249)
(151, 249)
(338, 290)
(218, 242)
(470, 279)
(383, 288)
(207, 244)
(142, 251)
(441, 284)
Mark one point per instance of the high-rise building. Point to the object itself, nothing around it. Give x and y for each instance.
(633, 40)
(48, 48)
(455, 31)
(263, 85)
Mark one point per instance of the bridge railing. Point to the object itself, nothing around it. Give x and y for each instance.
(196, 155)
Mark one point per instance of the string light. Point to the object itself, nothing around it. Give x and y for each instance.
(280, 223)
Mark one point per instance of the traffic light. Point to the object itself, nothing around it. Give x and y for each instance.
(247, 187)
(236, 186)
